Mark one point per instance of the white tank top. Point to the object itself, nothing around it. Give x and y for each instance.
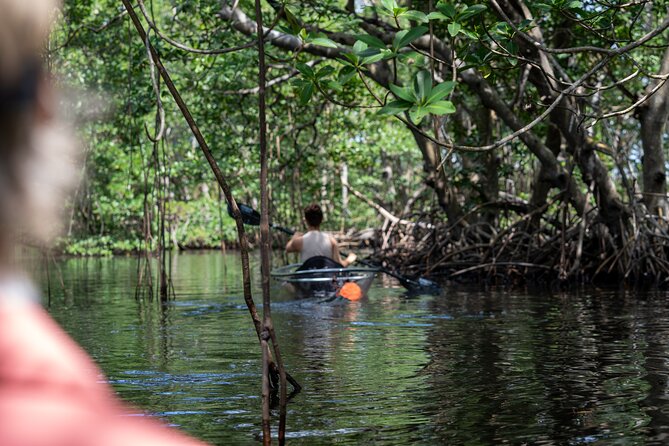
(315, 243)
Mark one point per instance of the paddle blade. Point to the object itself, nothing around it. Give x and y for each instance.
(350, 291)
(249, 215)
(420, 285)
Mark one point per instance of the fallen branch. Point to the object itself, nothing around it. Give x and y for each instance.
(383, 211)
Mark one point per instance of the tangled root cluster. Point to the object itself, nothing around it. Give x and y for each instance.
(562, 249)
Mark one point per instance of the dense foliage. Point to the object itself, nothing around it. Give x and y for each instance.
(533, 129)
(103, 63)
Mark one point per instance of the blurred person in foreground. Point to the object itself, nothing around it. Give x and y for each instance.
(51, 392)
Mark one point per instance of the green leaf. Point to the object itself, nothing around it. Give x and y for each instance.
(574, 5)
(305, 69)
(292, 21)
(526, 24)
(441, 108)
(422, 85)
(405, 37)
(359, 46)
(440, 91)
(414, 15)
(502, 28)
(395, 107)
(306, 93)
(399, 11)
(417, 113)
(407, 57)
(437, 16)
(355, 60)
(334, 85)
(471, 34)
(447, 10)
(373, 58)
(325, 71)
(299, 83)
(403, 93)
(454, 28)
(346, 74)
(389, 5)
(368, 52)
(543, 6)
(471, 11)
(372, 41)
(323, 41)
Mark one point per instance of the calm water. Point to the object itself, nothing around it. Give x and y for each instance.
(462, 368)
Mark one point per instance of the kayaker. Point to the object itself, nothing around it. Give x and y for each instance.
(315, 242)
(51, 391)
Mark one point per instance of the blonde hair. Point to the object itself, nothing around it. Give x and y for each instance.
(24, 28)
(36, 166)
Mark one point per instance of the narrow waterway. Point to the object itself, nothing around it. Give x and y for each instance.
(466, 367)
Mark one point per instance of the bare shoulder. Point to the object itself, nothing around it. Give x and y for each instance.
(295, 243)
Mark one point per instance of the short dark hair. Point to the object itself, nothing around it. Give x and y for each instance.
(313, 215)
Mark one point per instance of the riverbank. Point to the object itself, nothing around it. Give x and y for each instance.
(106, 246)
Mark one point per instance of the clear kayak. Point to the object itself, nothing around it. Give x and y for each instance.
(323, 282)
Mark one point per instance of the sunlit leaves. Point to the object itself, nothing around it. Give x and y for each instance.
(322, 41)
(305, 69)
(390, 8)
(559, 5)
(325, 72)
(395, 107)
(441, 107)
(405, 37)
(421, 99)
(369, 49)
(320, 79)
(456, 18)
(371, 41)
(346, 74)
(440, 91)
(403, 93)
(454, 28)
(416, 16)
(470, 11)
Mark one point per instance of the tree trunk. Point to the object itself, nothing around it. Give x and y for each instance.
(541, 184)
(567, 118)
(653, 117)
(489, 189)
(552, 169)
(436, 179)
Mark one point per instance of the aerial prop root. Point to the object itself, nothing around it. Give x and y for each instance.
(526, 251)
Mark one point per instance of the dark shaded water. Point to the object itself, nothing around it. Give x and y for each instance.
(462, 368)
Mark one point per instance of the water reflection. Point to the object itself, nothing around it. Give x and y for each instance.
(467, 367)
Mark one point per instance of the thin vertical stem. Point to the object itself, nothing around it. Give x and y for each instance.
(265, 251)
(264, 234)
(220, 178)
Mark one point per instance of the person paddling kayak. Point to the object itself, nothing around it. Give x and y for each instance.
(316, 243)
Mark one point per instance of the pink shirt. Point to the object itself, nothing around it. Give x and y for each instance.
(53, 394)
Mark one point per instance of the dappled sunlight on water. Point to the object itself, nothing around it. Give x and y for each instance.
(467, 367)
